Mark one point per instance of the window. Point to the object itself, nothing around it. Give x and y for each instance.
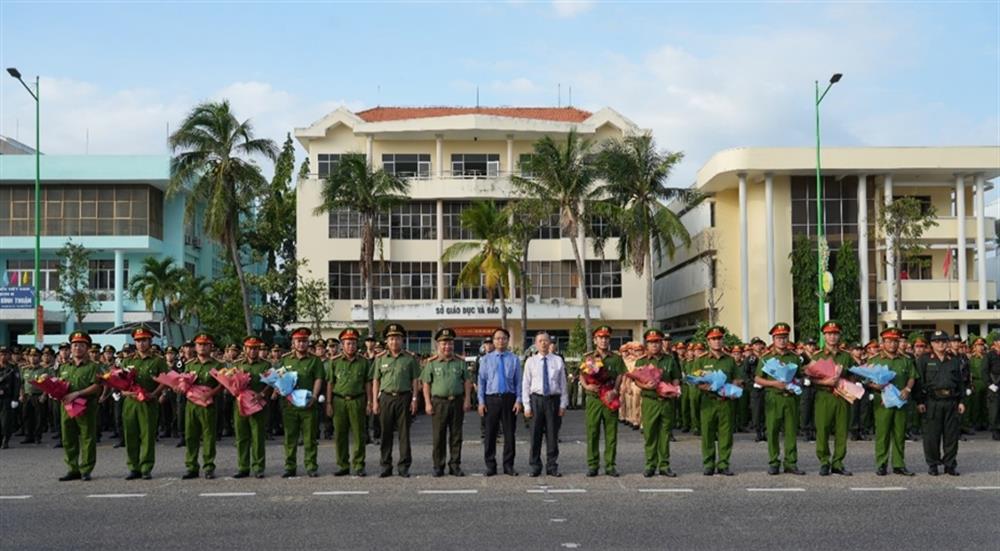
(475, 165)
(407, 165)
(552, 279)
(603, 278)
(915, 268)
(418, 342)
(405, 280)
(344, 224)
(840, 208)
(451, 290)
(326, 162)
(344, 280)
(523, 162)
(414, 220)
(77, 210)
(21, 273)
(549, 228)
(102, 278)
(453, 221)
(600, 226)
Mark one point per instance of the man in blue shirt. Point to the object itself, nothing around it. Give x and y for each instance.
(499, 401)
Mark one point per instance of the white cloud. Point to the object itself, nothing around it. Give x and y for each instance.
(572, 8)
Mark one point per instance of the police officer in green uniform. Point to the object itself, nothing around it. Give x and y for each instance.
(79, 435)
(200, 422)
(657, 412)
(447, 388)
(141, 418)
(716, 412)
(251, 430)
(302, 420)
(597, 413)
(831, 413)
(348, 402)
(396, 381)
(31, 398)
(781, 406)
(691, 399)
(975, 415)
(939, 395)
(890, 423)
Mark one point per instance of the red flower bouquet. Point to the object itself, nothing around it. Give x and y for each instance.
(57, 389)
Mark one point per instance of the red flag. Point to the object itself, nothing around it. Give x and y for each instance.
(947, 262)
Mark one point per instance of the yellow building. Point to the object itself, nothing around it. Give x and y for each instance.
(760, 198)
(451, 156)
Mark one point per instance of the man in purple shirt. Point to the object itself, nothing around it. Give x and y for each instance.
(499, 401)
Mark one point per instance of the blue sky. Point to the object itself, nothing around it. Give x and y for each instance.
(702, 76)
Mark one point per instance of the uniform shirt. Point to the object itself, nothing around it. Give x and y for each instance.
(935, 374)
(255, 369)
(145, 369)
(670, 371)
(30, 373)
(447, 377)
(613, 364)
(901, 365)
(395, 373)
(724, 363)
(842, 359)
(203, 371)
(9, 382)
(81, 376)
(349, 376)
(309, 368)
(489, 375)
(786, 357)
(976, 368)
(532, 382)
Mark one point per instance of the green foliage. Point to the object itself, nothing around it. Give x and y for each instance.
(192, 300)
(74, 290)
(729, 340)
(158, 281)
(312, 301)
(903, 222)
(806, 307)
(846, 293)
(223, 317)
(577, 344)
(992, 337)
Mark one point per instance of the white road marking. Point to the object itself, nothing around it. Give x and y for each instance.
(665, 490)
(776, 489)
(228, 494)
(15, 497)
(550, 500)
(570, 545)
(977, 488)
(558, 491)
(882, 489)
(557, 520)
(116, 496)
(448, 492)
(342, 493)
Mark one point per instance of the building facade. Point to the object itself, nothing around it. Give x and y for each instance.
(739, 268)
(115, 206)
(450, 157)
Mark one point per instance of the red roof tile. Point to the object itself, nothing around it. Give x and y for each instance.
(558, 114)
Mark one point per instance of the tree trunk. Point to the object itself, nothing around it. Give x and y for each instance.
(896, 269)
(234, 253)
(583, 290)
(524, 295)
(369, 259)
(649, 286)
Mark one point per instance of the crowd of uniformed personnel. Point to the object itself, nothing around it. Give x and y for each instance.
(365, 391)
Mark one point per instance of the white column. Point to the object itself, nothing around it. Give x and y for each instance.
(981, 245)
(744, 263)
(440, 250)
(439, 155)
(863, 254)
(119, 285)
(963, 297)
(370, 150)
(890, 270)
(510, 153)
(769, 224)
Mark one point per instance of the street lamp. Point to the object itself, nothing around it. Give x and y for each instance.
(39, 312)
(821, 249)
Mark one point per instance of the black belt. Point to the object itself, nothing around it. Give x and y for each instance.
(449, 398)
(346, 397)
(402, 393)
(546, 396)
(500, 395)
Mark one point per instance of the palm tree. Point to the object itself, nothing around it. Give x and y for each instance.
(633, 201)
(158, 281)
(192, 292)
(564, 175)
(211, 156)
(353, 185)
(525, 216)
(494, 257)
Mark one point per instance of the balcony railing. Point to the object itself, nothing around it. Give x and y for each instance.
(449, 174)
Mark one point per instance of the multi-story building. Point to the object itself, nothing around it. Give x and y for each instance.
(739, 270)
(452, 156)
(115, 206)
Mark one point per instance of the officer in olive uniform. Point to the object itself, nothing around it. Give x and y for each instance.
(200, 422)
(831, 413)
(597, 413)
(657, 412)
(396, 381)
(939, 396)
(975, 415)
(141, 417)
(751, 360)
(302, 420)
(716, 412)
(79, 434)
(890, 423)
(691, 398)
(782, 406)
(9, 392)
(251, 430)
(31, 398)
(447, 388)
(348, 402)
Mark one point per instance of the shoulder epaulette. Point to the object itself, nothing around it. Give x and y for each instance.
(382, 353)
(337, 357)
(413, 354)
(431, 358)
(287, 354)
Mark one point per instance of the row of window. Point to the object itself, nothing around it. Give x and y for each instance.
(418, 280)
(78, 210)
(20, 273)
(418, 165)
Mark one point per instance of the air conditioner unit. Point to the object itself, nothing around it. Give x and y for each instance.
(554, 302)
(532, 299)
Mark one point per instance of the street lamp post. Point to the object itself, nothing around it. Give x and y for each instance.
(820, 267)
(39, 316)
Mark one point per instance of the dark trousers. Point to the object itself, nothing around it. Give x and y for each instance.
(807, 410)
(941, 429)
(116, 408)
(547, 420)
(180, 405)
(993, 410)
(861, 414)
(499, 413)
(34, 415)
(757, 409)
(446, 426)
(394, 415)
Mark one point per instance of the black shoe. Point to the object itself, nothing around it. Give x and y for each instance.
(189, 475)
(241, 474)
(510, 472)
(772, 471)
(58, 444)
(119, 444)
(759, 438)
(288, 474)
(824, 470)
(996, 435)
(842, 472)
(491, 472)
(209, 475)
(882, 471)
(902, 471)
(554, 474)
(438, 473)
(404, 473)
(386, 473)
(133, 475)
(668, 473)
(85, 477)
(685, 431)
(952, 471)
(69, 476)
(671, 438)
(26, 441)
(457, 471)
(147, 476)
(648, 473)
(258, 474)
(708, 472)
(180, 444)
(726, 472)
(342, 472)
(535, 474)
(794, 470)
(312, 474)
(591, 473)
(933, 470)
(611, 472)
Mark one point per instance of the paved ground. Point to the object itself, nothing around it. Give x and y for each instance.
(692, 511)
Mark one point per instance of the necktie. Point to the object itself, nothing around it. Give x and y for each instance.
(502, 375)
(545, 376)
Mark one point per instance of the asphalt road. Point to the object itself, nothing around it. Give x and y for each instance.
(746, 511)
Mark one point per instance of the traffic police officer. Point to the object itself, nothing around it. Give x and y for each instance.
(940, 391)
(447, 389)
(348, 402)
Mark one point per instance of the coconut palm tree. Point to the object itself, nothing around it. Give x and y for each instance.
(355, 186)
(495, 255)
(192, 292)
(633, 202)
(564, 174)
(158, 281)
(212, 160)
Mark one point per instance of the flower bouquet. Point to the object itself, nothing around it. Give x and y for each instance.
(199, 395)
(891, 397)
(784, 372)
(652, 375)
(284, 382)
(57, 388)
(123, 380)
(877, 374)
(848, 390)
(237, 382)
